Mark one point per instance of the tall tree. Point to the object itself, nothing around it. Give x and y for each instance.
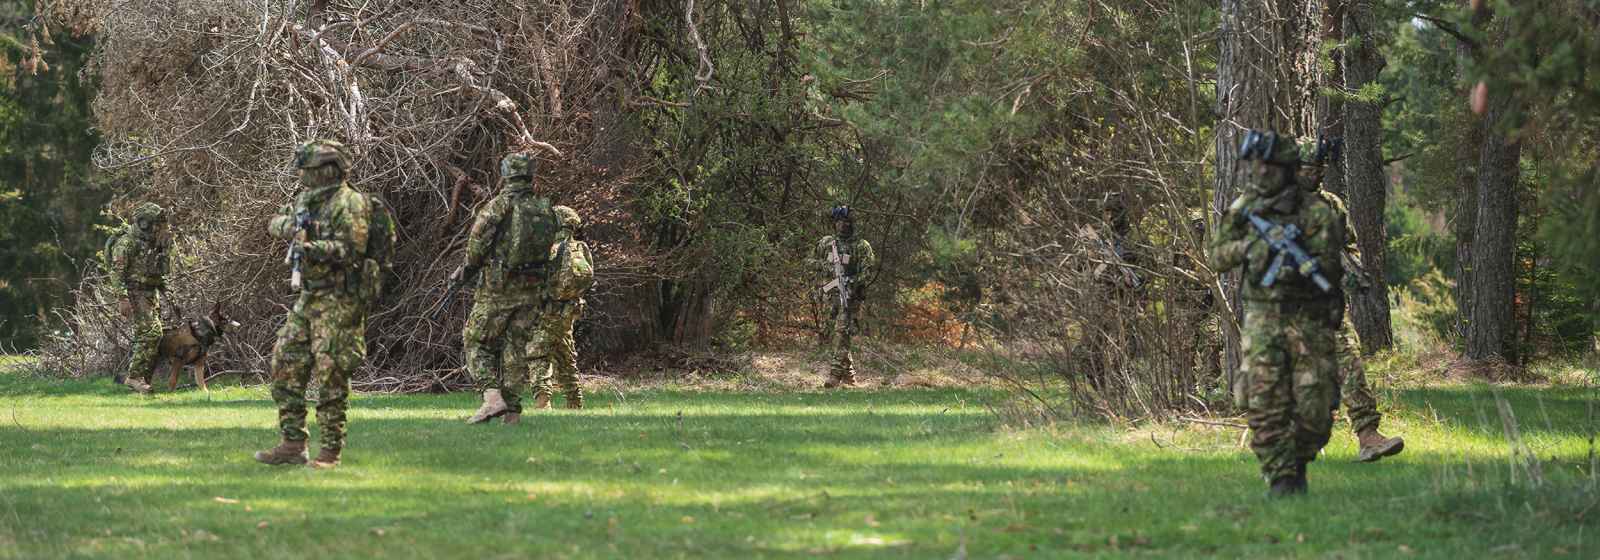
(1491, 328)
(1266, 79)
(1364, 167)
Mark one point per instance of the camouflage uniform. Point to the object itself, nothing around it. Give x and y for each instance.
(139, 260)
(554, 349)
(859, 267)
(325, 333)
(505, 309)
(1359, 403)
(1290, 329)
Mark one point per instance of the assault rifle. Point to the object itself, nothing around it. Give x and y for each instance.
(1283, 240)
(302, 220)
(841, 281)
(456, 282)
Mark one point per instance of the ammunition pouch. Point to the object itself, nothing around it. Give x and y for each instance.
(497, 274)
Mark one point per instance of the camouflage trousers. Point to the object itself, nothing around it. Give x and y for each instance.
(837, 332)
(1289, 373)
(496, 340)
(1359, 404)
(144, 333)
(325, 336)
(554, 350)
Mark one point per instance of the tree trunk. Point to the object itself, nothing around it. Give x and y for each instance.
(1491, 326)
(1263, 79)
(1465, 213)
(1368, 187)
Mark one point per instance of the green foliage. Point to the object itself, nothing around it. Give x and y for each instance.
(47, 202)
(1416, 246)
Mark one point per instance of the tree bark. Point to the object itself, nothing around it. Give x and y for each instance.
(1368, 187)
(1265, 80)
(1491, 327)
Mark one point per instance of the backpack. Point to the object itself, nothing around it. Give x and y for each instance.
(571, 269)
(381, 241)
(529, 233)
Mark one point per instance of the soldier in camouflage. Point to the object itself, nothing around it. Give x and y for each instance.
(553, 346)
(1359, 403)
(325, 333)
(1290, 327)
(138, 261)
(853, 256)
(508, 246)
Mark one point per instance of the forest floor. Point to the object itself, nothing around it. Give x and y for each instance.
(764, 470)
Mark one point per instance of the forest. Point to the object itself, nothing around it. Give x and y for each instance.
(994, 151)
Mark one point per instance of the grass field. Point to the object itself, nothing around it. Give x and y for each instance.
(89, 470)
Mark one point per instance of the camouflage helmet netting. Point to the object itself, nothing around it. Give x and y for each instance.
(318, 153)
(517, 165)
(149, 212)
(569, 218)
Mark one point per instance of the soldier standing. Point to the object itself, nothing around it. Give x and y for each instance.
(1359, 403)
(137, 263)
(553, 346)
(325, 333)
(848, 260)
(510, 246)
(1287, 241)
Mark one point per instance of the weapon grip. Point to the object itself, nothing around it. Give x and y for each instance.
(1271, 277)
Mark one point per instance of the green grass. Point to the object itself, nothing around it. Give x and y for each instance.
(88, 470)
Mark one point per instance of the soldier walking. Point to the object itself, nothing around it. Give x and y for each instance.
(847, 260)
(1359, 403)
(1287, 240)
(325, 333)
(509, 246)
(553, 347)
(137, 263)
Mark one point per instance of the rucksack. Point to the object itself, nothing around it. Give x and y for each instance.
(571, 269)
(381, 241)
(529, 233)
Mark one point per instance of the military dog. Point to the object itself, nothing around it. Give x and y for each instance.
(186, 344)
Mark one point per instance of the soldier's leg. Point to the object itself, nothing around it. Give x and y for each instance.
(537, 350)
(339, 339)
(145, 337)
(1315, 365)
(843, 370)
(1269, 391)
(1358, 401)
(483, 341)
(563, 354)
(291, 371)
(520, 326)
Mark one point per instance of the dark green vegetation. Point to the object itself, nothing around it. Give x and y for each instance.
(49, 199)
(91, 471)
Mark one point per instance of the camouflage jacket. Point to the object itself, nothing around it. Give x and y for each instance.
(490, 245)
(863, 261)
(332, 246)
(1237, 244)
(1356, 277)
(138, 263)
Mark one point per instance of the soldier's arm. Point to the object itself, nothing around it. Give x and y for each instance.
(281, 225)
(485, 230)
(118, 275)
(869, 262)
(347, 223)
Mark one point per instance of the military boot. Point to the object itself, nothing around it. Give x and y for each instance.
(493, 405)
(286, 453)
(575, 399)
(327, 458)
(1375, 446)
(511, 418)
(837, 381)
(541, 400)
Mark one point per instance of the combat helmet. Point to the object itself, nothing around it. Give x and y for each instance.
(318, 153)
(518, 165)
(149, 214)
(568, 218)
(1270, 147)
(841, 213)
